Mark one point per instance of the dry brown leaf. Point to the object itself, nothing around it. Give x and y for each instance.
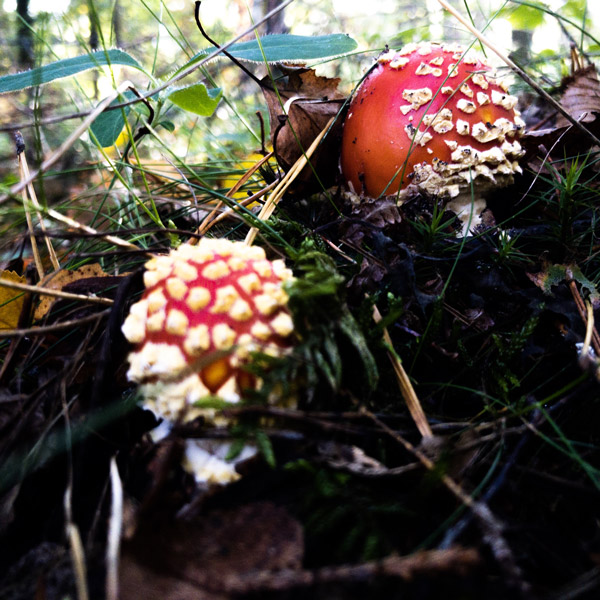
(318, 99)
(11, 301)
(60, 279)
(581, 96)
(204, 558)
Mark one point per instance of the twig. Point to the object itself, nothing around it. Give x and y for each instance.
(232, 58)
(518, 71)
(57, 293)
(491, 527)
(430, 562)
(42, 330)
(15, 189)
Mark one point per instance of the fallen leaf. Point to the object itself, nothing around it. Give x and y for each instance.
(552, 275)
(311, 100)
(11, 301)
(209, 555)
(581, 96)
(60, 279)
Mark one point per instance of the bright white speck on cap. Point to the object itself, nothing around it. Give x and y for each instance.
(261, 331)
(225, 297)
(462, 127)
(480, 80)
(198, 298)
(466, 106)
(283, 324)
(197, 340)
(155, 322)
(223, 336)
(177, 288)
(177, 322)
(185, 271)
(240, 310)
(134, 328)
(483, 98)
(156, 301)
(215, 270)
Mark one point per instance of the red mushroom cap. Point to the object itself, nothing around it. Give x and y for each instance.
(433, 115)
(205, 308)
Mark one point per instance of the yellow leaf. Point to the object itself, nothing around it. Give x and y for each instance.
(11, 301)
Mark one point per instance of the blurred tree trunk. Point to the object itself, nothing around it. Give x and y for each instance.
(24, 35)
(277, 23)
(117, 25)
(93, 17)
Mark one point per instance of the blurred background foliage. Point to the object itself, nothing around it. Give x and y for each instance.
(162, 35)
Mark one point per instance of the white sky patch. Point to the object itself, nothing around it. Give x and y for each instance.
(38, 6)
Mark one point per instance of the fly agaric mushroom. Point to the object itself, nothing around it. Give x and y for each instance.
(204, 309)
(432, 116)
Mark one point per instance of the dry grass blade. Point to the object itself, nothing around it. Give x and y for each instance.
(408, 393)
(212, 217)
(115, 527)
(288, 179)
(25, 175)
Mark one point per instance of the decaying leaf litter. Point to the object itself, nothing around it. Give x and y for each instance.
(496, 493)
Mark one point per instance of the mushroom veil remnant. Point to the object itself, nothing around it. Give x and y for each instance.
(435, 117)
(204, 309)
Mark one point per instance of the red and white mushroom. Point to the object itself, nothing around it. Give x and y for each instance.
(433, 116)
(204, 309)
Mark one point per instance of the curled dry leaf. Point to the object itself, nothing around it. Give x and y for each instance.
(581, 96)
(310, 101)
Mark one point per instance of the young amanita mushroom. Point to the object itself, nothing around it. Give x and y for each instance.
(433, 116)
(204, 310)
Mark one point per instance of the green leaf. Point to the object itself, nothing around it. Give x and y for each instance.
(266, 448)
(196, 98)
(285, 48)
(526, 17)
(293, 48)
(66, 68)
(168, 125)
(108, 125)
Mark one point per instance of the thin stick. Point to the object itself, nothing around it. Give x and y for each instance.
(43, 330)
(518, 70)
(287, 180)
(57, 293)
(408, 392)
(491, 527)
